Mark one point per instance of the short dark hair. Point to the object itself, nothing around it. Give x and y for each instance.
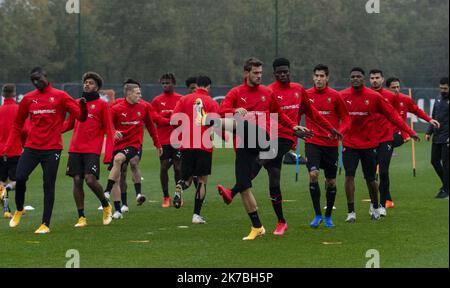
(281, 62)
(8, 89)
(444, 81)
(322, 67)
(38, 69)
(131, 81)
(376, 71)
(190, 81)
(252, 62)
(391, 80)
(168, 76)
(358, 69)
(94, 76)
(203, 81)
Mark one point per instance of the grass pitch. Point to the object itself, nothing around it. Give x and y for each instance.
(415, 233)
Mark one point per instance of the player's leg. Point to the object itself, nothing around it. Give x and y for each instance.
(27, 163)
(369, 166)
(137, 179)
(187, 172)
(384, 155)
(203, 164)
(351, 162)
(445, 167)
(75, 169)
(50, 164)
(330, 160)
(124, 187)
(10, 173)
(436, 161)
(313, 154)
(114, 182)
(165, 164)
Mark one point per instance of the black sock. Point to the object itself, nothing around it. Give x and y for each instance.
(183, 184)
(137, 187)
(195, 180)
(277, 203)
(110, 185)
(256, 223)
(123, 197)
(314, 190)
(80, 213)
(351, 207)
(105, 203)
(166, 193)
(234, 191)
(376, 206)
(8, 188)
(117, 206)
(198, 201)
(331, 198)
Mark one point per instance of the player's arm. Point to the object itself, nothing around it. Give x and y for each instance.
(158, 118)
(150, 125)
(178, 109)
(344, 116)
(383, 107)
(414, 109)
(69, 124)
(228, 105)
(109, 131)
(17, 127)
(78, 109)
(430, 130)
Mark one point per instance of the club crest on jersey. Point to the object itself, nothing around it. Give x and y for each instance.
(93, 106)
(329, 100)
(367, 102)
(263, 99)
(401, 104)
(297, 95)
(139, 114)
(52, 99)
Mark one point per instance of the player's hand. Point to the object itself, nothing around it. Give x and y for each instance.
(160, 152)
(416, 138)
(302, 132)
(241, 112)
(428, 137)
(118, 135)
(336, 135)
(407, 140)
(435, 123)
(5, 158)
(83, 101)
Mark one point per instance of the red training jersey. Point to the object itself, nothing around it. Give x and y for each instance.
(198, 138)
(46, 111)
(386, 129)
(294, 102)
(363, 106)
(130, 119)
(8, 112)
(88, 136)
(332, 107)
(164, 105)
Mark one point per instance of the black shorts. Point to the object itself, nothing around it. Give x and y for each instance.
(252, 136)
(245, 167)
(195, 163)
(398, 140)
(8, 169)
(284, 146)
(322, 157)
(368, 157)
(170, 153)
(129, 152)
(83, 164)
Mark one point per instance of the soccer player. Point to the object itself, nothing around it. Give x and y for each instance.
(247, 103)
(322, 152)
(129, 117)
(191, 84)
(404, 105)
(361, 138)
(294, 102)
(86, 147)
(8, 165)
(164, 105)
(439, 152)
(46, 107)
(196, 147)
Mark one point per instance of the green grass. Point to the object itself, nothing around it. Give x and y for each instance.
(415, 233)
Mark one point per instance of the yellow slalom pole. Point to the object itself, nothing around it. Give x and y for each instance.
(413, 142)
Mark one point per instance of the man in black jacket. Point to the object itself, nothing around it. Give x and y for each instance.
(439, 153)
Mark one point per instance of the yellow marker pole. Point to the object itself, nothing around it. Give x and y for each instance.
(413, 142)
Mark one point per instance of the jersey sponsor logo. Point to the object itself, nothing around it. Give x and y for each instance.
(325, 112)
(37, 112)
(359, 113)
(131, 123)
(167, 111)
(289, 107)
